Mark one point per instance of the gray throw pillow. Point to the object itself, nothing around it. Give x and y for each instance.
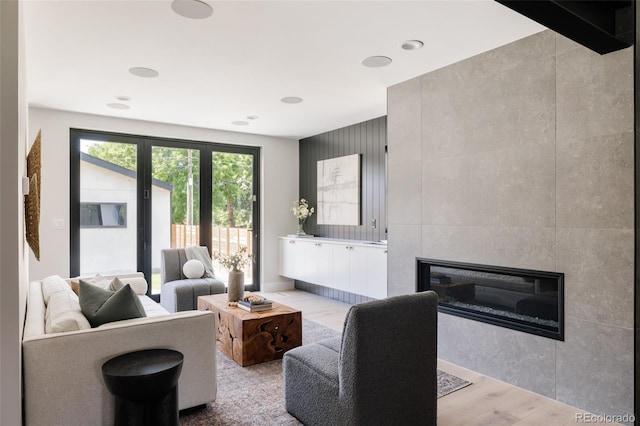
(116, 284)
(101, 306)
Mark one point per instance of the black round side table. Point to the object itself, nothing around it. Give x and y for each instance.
(145, 386)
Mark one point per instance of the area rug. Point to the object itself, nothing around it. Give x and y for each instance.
(254, 395)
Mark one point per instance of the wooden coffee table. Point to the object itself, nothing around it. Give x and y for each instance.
(253, 337)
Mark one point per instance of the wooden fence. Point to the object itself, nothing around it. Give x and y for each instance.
(224, 240)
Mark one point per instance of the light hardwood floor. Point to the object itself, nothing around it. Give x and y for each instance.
(486, 402)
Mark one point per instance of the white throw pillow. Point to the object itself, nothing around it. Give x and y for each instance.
(53, 284)
(64, 314)
(100, 281)
(193, 269)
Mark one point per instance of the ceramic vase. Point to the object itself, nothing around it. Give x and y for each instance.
(235, 291)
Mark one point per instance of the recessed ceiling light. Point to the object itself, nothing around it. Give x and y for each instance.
(252, 117)
(240, 123)
(123, 98)
(376, 61)
(144, 72)
(192, 9)
(115, 105)
(291, 100)
(412, 44)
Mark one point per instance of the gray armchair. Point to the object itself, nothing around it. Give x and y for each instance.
(178, 293)
(382, 371)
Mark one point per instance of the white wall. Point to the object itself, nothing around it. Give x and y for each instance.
(279, 181)
(13, 118)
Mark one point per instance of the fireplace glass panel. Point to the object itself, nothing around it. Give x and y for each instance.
(529, 301)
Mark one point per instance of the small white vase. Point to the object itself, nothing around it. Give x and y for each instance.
(235, 291)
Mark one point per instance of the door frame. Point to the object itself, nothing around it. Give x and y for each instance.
(144, 214)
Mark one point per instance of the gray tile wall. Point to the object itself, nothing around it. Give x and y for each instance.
(405, 184)
(523, 157)
(637, 206)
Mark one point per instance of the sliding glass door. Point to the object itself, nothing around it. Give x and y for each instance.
(175, 202)
(132, 196)
(108, 207)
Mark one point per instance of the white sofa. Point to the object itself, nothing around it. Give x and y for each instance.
(62, 371)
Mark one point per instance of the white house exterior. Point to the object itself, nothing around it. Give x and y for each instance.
(107, 245)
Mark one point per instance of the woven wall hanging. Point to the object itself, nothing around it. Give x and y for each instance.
(32, 201)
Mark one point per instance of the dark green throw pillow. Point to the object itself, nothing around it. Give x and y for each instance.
(101, 306)
(116, 284)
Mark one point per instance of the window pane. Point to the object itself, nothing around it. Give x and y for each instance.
(175, 203)
(109, 214)
(232, 208)
(103, 214)
(89, 215)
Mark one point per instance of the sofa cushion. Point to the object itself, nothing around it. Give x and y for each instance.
(53, 284)
(63, 313)
(101, 306)
(151, 307)
(182, 295)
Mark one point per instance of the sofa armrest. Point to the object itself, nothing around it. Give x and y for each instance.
(63, 371)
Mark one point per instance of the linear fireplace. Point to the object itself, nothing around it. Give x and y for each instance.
(520, 299)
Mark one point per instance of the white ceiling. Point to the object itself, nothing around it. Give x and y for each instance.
(247, 56)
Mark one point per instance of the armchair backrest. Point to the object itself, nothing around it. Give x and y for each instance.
(388, 360)
(171, 263)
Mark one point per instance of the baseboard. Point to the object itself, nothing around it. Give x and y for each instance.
(278, 286)
(331, 293)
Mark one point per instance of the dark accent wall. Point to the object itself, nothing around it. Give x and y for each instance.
(369, 139)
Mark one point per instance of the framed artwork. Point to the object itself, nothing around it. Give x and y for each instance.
(339, 191)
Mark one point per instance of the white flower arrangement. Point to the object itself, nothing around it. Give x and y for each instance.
(301, 209)
(234, 262)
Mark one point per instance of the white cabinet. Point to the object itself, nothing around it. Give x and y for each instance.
(355, 267)
(377, 272)
(341, 267)
(318, 259)
(368, 271)
(309, 270)
(357, 271)
(306, 260)
(290, 259)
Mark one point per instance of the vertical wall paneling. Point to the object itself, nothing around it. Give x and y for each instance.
(368, 139)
